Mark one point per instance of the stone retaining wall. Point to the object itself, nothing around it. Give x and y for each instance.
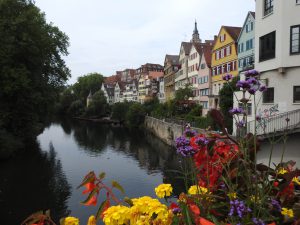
(167, 132)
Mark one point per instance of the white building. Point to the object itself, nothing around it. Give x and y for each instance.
(108, 90)
(130, 93)
(161, 90)
(277, 56)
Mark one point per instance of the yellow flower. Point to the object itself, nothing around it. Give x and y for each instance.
(71, 221)
(92, 220)
(287, 212)
(296, 180)
(193, 190)
(282, 171)
(163, 190)
(116, 215)
(232, 195)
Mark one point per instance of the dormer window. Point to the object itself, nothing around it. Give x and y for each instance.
(268, 7)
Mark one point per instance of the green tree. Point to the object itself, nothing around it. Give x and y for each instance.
(136, 115)
(226, 101)
(89, 82)
(119, 110)
(184, 93)
(31, 67)
(99, 106)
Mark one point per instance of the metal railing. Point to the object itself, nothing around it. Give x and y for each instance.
(286, 121)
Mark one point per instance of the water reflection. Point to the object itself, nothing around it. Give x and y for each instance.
(33, 181)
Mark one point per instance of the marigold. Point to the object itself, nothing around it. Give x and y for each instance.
(116, 215)
(282, 171)
(92, 220)
(163, 190)
(232, 195)
(193, 190)
(71, 221)
(296, 180)
(287, 212)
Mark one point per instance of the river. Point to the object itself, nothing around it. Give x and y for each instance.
(46, 175)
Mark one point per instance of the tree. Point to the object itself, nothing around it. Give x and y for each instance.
(98, 106)
(89, 82)
(226, 101)
(184, 93)
(136, 115)
(31, 67)
(119, 110)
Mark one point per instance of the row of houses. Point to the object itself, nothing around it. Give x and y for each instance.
(268, 40)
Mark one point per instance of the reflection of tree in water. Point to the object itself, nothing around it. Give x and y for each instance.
(30, 182)
(90, 136)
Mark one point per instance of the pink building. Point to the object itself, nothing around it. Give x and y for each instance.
(204, 76)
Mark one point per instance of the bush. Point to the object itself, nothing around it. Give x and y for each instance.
(119, 110)
(76, 108)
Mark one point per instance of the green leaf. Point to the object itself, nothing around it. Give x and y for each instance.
(95, 190)
(90, 177)
(101, 175)
(115, 184)
(101, 208)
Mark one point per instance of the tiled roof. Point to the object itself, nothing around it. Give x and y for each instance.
(122, 85)
(174, 59)
(155, 74)
(207, 52)
(234, 32)
(112, 79)
(253, 14)
(187, 47)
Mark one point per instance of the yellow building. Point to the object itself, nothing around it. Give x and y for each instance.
(224, 60)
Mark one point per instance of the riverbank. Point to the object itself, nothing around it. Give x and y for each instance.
(104, 120)
(166, 131)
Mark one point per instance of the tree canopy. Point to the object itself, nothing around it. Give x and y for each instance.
(32, 69)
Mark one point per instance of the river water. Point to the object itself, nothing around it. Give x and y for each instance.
(47, 174)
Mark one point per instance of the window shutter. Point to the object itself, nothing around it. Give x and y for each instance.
(224, 37)
(230, 50)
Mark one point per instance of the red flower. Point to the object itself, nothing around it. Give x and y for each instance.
(92, 201)
(174, 206)
(89, 187)
(203, 221)
(195, 209)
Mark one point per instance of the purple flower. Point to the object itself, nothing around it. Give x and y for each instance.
(238, 110)
(190, 133)
(239, 208)
(258, 221)
(227, 77)
(251, 73)
(241, 123)
(276, 205)
(202, 141)
(186, 151)
(243, 84)
(262, 88)
(252, 90)
(176, 210)
(258, 117)
(183, 147)
(252, 80)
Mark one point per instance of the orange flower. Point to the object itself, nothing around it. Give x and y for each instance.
(92, 201)
(195, 209)
(89, 187)
(106, 206)
(203, 221)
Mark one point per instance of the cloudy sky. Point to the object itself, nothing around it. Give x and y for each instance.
(111, 35)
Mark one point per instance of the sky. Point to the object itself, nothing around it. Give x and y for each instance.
(111, 35)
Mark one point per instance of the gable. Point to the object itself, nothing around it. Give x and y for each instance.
(228, 39)
(249, 18)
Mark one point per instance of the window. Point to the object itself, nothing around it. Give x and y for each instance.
(222, 53)
(295, 39)
(268, 7)
(296, 94)
(267, 46)
(203, 66)
(251, 25)
(204, 104)
(249, 44)
(228, 67)
(228, 50)
(268, 95)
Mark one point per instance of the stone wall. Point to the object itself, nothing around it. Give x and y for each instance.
(167, 132)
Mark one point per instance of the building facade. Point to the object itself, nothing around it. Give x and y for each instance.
(204, 77)
(277, 58)
(246, 43)
(171, 66)
(224, 60)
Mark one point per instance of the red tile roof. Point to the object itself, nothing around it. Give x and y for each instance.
(155, 74)
(234, 32)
